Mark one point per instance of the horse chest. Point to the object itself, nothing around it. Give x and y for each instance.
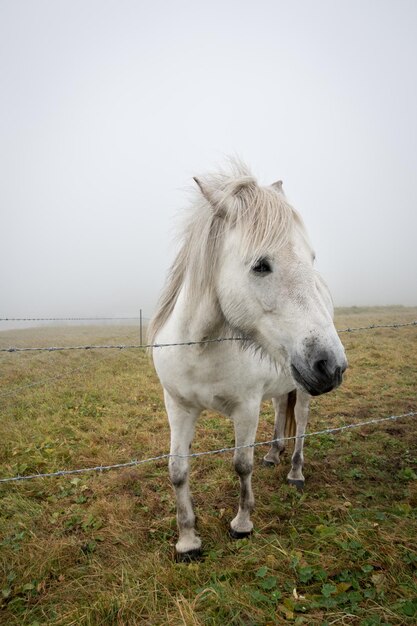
(221, 379)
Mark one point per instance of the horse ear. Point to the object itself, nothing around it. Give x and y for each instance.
(202, 188)
(277, 185)
(214, 197)
(222, 201)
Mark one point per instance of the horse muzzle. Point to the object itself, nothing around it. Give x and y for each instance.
(322, 375)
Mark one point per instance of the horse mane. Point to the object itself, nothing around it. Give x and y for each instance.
(262, 214)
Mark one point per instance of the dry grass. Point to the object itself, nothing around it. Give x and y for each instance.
(98, 549)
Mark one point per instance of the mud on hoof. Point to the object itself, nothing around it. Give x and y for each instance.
(189, 557)
(235, 534)
(298, 484)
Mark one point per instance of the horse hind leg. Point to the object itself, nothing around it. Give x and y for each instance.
(182, 423)
(282, 405)
(301, 413)
(246, 423)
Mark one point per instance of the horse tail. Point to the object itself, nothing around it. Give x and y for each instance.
(290, 425)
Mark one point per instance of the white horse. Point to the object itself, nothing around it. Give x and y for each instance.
(245, 270)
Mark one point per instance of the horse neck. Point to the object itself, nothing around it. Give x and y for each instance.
(195, 319)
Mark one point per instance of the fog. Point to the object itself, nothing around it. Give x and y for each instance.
(109, 108)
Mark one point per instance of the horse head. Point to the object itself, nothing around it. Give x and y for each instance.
(266, 284)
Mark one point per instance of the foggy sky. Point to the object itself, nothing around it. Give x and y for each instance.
(108, 108)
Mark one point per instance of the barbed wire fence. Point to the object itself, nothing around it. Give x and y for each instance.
(137, 462)
(181, 343)
(141, 319)
(194, 455)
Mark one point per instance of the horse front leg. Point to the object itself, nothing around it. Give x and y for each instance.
(278, 447)
(182, 424)
(246, 423)
(301, 413)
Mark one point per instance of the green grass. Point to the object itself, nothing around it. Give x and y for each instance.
(97, 549)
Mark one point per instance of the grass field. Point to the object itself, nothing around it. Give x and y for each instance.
(97, 549)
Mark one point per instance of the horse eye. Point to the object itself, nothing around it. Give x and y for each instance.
(262, 267)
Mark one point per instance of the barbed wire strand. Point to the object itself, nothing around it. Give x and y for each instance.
(182, 343)
(136, 462)
(66, 319)
(122, 346)
(373, 326)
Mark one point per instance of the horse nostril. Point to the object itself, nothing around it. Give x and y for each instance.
(326, 372)
(321, 367)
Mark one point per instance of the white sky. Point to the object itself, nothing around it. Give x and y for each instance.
(108, 108)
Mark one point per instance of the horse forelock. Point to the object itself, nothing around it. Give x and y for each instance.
(264, 220)
(262, 216)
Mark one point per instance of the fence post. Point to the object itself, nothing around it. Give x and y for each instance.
(140, 327)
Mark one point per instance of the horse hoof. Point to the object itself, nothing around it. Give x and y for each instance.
(266, 463)
(298, 484)
(235, 534)
(190, 556)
